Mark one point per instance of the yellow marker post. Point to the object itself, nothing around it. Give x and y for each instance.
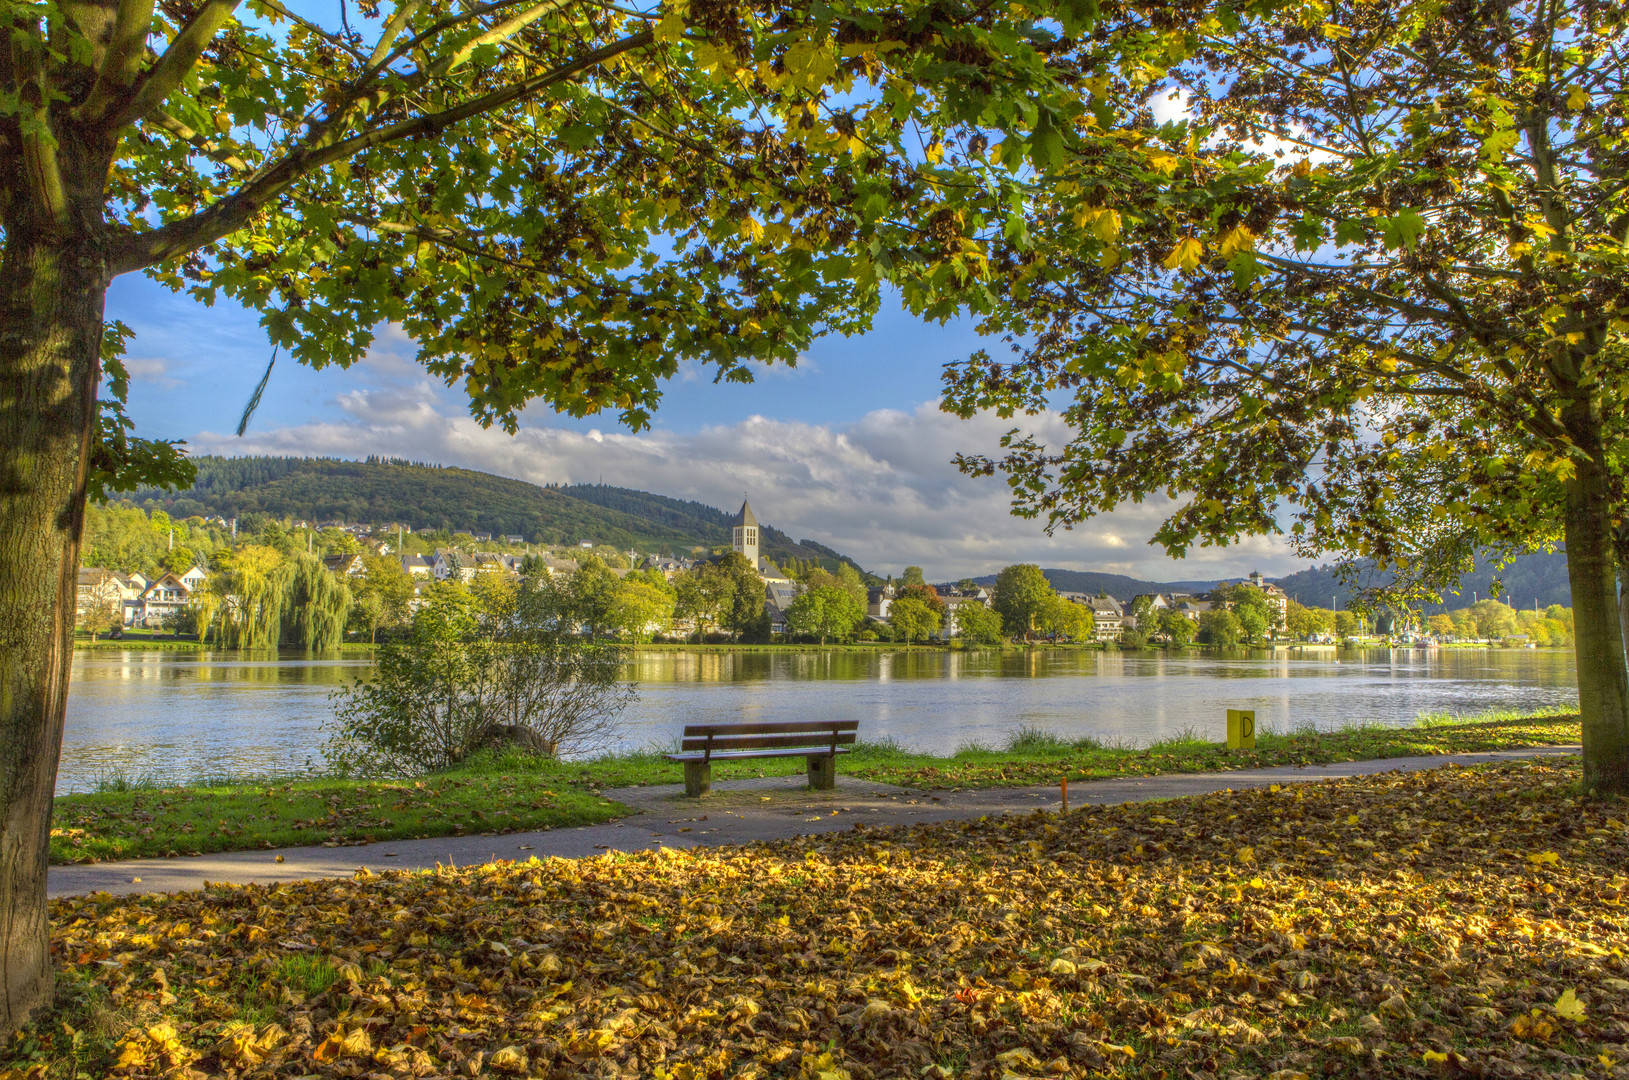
(1241, 729)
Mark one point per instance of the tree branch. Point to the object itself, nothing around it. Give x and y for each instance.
(126, 50)
(176, 61)
(232, 212)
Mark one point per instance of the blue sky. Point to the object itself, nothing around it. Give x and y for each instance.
(848, 448)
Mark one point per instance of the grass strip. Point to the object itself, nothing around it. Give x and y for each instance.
(1033, 756)
(1453, 922)
(147, 819)
(141, 817)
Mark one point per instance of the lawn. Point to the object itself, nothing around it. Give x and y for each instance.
(1447, 923)
(148, 820)
(511, 793)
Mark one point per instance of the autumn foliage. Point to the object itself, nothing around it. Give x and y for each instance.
(1441, 923)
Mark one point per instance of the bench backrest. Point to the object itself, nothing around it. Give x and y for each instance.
(814, 734)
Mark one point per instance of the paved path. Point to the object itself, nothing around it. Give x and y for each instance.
(737, 812)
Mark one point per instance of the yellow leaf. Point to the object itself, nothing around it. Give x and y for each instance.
(1434, 1057)
(1021, 1058)
(671, 28)
(1545, 857)
(1107, 225)
(1160, 161)
(709, 56)
(1239, 239)
(510, 1059)
(1568, 1007)
(1578, 98)
(824, 1067)
(809, 65)
(1185, 255)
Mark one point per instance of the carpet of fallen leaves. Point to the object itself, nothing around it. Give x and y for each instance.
(1453, 922)
(997, 768)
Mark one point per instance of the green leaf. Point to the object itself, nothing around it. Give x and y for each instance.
(1403, 229)
(1046, 147)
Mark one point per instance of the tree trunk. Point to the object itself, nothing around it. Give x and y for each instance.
(1603, 676)
(51, 291)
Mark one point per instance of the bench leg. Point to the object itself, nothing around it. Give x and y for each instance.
(822, 771)
(698, 778)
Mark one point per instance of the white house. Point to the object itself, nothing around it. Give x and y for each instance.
(1108, 618)
(954, 602)
(167, 596)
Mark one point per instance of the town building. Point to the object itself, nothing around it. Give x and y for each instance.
(418, 566)
(98, 589)
(1276, 598)
(345, 565)
(879, 600)
(955, 600)
(165, 597)
(1108, 618)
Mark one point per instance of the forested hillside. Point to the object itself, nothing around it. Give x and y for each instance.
(380, 491)
(699, 519)
(1119, 586)
(1540, 576)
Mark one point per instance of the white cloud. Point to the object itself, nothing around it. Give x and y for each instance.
(151, 369)
(882, 489)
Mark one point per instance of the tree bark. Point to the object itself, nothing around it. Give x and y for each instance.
(51, 292)
(1603, 675)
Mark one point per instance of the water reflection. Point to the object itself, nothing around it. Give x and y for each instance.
(180, 714)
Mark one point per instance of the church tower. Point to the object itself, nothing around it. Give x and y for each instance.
(745, 537)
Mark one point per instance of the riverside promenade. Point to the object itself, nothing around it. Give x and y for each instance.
(737, 812)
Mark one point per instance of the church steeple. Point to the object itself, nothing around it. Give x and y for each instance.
(745, 534)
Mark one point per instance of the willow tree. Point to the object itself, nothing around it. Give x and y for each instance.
(251, 588)
(315, 605)
(1364, 285)
(558, 200)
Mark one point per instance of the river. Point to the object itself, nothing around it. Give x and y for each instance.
(178, 716)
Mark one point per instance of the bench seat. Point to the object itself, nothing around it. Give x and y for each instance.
(818, 741)
(734, 755)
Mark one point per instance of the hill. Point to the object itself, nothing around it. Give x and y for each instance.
(1118, 586)
(1539, 576)
(699, 519)
(432, 496)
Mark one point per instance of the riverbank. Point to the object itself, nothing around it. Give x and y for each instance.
(138, 818)
(1455, 921)
(134, 641)
(158, 641)
(143, 819)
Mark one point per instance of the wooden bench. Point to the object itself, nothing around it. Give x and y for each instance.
(820, 741)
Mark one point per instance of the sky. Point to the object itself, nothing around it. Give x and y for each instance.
(849, 448)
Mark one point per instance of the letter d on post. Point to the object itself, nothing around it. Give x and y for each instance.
(1241, 729)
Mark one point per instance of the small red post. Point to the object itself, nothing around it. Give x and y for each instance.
(1065, 795)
